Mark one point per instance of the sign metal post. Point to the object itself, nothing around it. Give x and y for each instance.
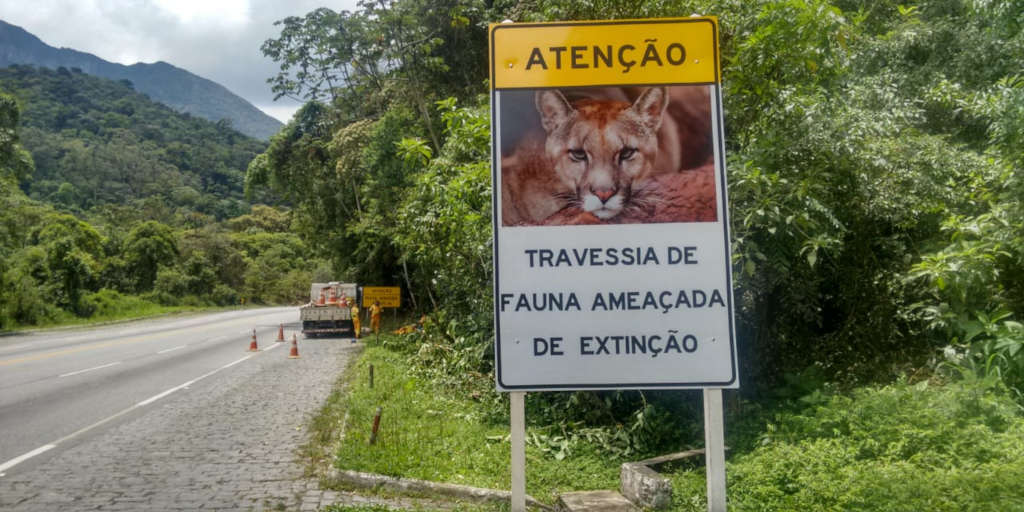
(518, 442)
(714, 449)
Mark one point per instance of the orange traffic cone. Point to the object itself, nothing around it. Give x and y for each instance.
(280, 333)
(252, 345)
(294, 354)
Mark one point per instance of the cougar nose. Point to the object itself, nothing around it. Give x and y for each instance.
(604, 193)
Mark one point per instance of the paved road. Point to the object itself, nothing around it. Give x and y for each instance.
(55, 384)
(167, 415)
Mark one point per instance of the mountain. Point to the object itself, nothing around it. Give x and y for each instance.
(98, 142)
(170, 85)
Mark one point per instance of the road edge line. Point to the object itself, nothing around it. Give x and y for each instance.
(22, 458)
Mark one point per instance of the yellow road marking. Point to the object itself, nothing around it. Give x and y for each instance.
(64, 352)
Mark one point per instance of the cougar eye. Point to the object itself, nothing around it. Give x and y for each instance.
(578, 155)
(626, 154)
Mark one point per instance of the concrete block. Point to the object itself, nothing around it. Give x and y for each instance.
(594, 501)
(644, 486)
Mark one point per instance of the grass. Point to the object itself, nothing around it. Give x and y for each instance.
(902, 447)
(110, 307)
(439, 434)
(147, 310)
(380, 508)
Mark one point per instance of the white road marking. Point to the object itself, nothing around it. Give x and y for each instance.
(22, 458)
(171, 349)
(18, 460)
(90, 369)
(107, 342)
(229, 365)
(154, 398)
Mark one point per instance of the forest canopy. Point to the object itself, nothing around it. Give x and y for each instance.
(112, 205)
(96, 142)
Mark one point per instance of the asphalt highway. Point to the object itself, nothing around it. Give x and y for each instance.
(60, 387)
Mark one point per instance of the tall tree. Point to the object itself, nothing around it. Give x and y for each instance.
(15, 163)
(147, 247)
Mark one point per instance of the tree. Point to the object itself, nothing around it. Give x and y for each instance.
(147, 247)
(312, 54)
(15, 163)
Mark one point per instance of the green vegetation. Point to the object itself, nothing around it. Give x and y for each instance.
(445, 434)
(381, 508)
(148, 216)
(874, 179)
(57, 269)
(97, 142)
(873, 173)
(875, 167)
(900, 447)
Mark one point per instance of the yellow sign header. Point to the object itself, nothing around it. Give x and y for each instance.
(627, 52)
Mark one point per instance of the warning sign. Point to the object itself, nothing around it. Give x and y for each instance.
(389, 296)
(611, 241)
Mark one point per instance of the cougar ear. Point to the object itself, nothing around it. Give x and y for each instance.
(554, 109)
(650, 106)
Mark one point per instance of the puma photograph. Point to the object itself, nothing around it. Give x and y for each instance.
(610, 155)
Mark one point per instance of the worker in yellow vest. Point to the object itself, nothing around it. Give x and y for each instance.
(355, 318)
(375, 310)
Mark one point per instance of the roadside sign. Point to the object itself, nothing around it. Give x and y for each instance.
(611, 233)
(389, 296)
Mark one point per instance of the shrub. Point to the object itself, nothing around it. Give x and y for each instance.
(224, 295)
(901, 447)
(23, 301)
(111, 304)
(170, 281)
(162, 298)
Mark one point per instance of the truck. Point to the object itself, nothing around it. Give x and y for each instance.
(329, 309)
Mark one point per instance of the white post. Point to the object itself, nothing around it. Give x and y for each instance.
(518, 441)
(714, 449)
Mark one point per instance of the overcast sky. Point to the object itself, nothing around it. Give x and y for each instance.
(215, 39)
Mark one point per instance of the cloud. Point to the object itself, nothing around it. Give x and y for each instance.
(282, 109)
(229, 12)
(216, 39)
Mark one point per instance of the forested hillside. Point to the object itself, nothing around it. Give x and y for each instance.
(112, 205)
(97, 142)
(163, 82)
